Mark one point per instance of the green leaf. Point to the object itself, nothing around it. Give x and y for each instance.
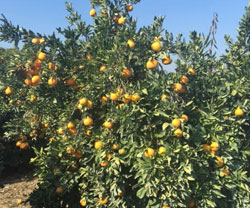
(165, 125)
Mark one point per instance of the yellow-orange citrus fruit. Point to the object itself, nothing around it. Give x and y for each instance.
(92, 12)
(41, 56)
(88, 57)
(115, 146)
(88, 121)
(52, 81)
(152, 64)
(42, 40)
(51, 66)
(126, 73)
(35, 41)
(114, 96)
(18, 143)
(104, 164)
(71, 81)
(11, 101)
(178, 133)
(191, 71)
(225, 172)
(24, 145)
(102, 68)
(8, 91)
(70, 150)
(88, 132)
(184, 117)
(149, 152)
(238, 111)
(135, 97)
(59, 190)
(104, 99)
(184, 79)
(166, 60)
(70, 125)
(60, 131)
(178, 88)
(156, 46)
(220, 162)
(83, 101)
(107, 124)
(164, 97)
(35, 79)
(103, 201)
(19, 201)
(191, 204)
(206, 147)
(214, 146)
(121, 20)
(176, 123)
(18, 102)
(32, 98)
(131, 43)
(165, 206)
(121, 151)
(161, 150)
(89, 104)
(126, 98)
(83, 202)
(130, 8)
(98, 144)
(28, 82)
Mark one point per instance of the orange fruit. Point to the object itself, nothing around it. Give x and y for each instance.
(8, 91)
(220, 162)
(151, 64)
(184, 79)
(90, 104)
(78, 154)
(166, 60)
(70, 150)
(149, 152)
(184, 117)
(71, 81)
(72, 131)
(156, 46)
(126, 98)
(41, 56)
(107, 124)
(164, 97)
(178, 133)
(115, 146)
(32, 98)
(178, 88)
(70, 125)
(165, 206)
(130, 8)
(88, 132)
(83, 101)
(135, 97)
(35, 79)
(42, 40)
(191, 71)
(225, 172)
(18, 102)
(51, 66)
(59, 190)
(83, 202)
(102, 68)
(206, 147)
(131, 43)
(238, 111)
(126, 73)
(52, 81)
(11, 101)
(88, 121)
(114, 96)
(121, 20)
(103, 201)
(92, 12)
(88, 57)
(98, 144)
(35, 41)
(214, 146)
(104, 99)
(28, 82)
(176, 123)
(121, 151)
(60, 131)
(24, 145)
(161, 150)
(18, 143)
(104, 164)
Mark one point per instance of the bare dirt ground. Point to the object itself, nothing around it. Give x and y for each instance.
(14, 186)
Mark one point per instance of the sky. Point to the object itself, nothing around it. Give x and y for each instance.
(181, 16)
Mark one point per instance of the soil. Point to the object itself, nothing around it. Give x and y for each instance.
(16, 185)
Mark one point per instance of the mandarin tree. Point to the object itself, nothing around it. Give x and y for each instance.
(121, 130)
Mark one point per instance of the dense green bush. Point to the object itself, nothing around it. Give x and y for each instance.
(121, 130)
